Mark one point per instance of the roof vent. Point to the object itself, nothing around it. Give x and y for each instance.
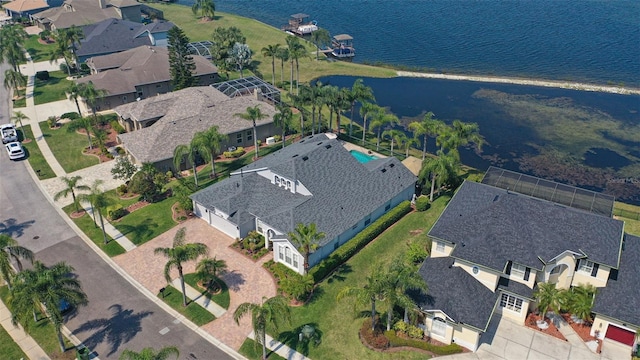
(320, 143)
(305, 158)
(384, 170)
(496, 198)
(295, 155)
(392, 165)
(327, 146)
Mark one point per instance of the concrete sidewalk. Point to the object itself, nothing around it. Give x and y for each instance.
(197, 297)
(26, 342)
(280, 348)
(112, 231)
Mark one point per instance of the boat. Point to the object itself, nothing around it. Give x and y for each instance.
(299, 24)
(342, 46)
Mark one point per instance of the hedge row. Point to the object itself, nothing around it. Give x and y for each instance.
(351, 247)
(394, 340)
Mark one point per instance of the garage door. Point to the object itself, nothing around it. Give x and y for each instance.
(620, 335)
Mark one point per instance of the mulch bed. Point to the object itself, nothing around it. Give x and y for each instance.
(96, 151)
(552, 330)
(137, 206)
(583, 330)
(77, 214)
(178, 213)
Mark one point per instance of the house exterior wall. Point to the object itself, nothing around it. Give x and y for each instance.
(464, 336)
(521, 279)
(484, 276)
(600, 280)
(131, 13)
(455, 332)
(216, 219)
(280, 248)
(448, 248)
(513, 315)
(447, 338)
(564, 278)
(159, 39)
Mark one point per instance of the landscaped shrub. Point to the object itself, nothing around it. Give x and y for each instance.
(415, 332)
(395, 340)
(52, 121)
(115, 125)
(122, 189)
(422, 203)
(346, 251)
(253, 241)
(277, 138)
(115, 212)
(70, 116)
(64, 68)
(234, 154)
(417, 251)
(120, 150)
(42, 75)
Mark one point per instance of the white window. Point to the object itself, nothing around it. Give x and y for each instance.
(249, 135)
(511, 302)
(295, 261)
(439, 246)
(281, 253)
(438, 327)
(288, 184)
(586, 266)
(277, 180)
(287, 255)
(518, 270)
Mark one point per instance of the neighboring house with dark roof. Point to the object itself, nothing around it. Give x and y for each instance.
(492, 246)
(315, 180)
(85, 12)
(114, 35)
(138, 73)
(25, 8)
(160, 123)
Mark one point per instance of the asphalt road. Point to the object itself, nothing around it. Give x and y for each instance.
(118, 316)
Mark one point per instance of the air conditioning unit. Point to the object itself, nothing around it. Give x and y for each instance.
(271, 140)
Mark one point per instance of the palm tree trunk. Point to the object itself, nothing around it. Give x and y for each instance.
(184, 291)
(338, 119)
(291, 83)
(283, 134)
(297, 78)
(255, 139)
(433, 185)
(195, 173)
(104, 232)
(330, 119)
(35, 315)
(264, 345)
(302, 123)
(60, 341)
(373, 314)
(282, 71)
(313, 119)
(353, 105)
(364, 129)
(378, 140)
(75, 202)
(273, 70)
(405, 318)
(424, 147)
(213, 166)
(78, 106)
(389, 317)
(391, 147)
(89, 136)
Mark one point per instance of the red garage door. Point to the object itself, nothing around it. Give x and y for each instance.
(620, 335)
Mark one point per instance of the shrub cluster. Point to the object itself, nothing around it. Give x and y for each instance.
(422, 203)
(115, 125)
(409, 330)
(234, 154)
(394, 340)
(115, 212)
(346, 251)
(42, 75)
(277, 138)
(70, 116)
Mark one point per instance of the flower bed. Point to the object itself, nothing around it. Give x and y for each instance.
(251, 246)
(551, 330)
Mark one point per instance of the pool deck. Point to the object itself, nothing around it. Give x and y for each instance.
(349, 146)
(412, 163)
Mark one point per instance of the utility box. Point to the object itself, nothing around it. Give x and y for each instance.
(271, 140)
(82, 353)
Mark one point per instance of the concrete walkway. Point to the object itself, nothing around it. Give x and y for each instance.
(112, 231)
(197, 297)
(280, 348)
(26, 342)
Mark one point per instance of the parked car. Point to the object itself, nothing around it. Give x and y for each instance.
(8, 133)
(15, 150)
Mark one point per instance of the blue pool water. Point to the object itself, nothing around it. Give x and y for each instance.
(362, 157)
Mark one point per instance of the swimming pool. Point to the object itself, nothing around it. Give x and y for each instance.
(362, 157)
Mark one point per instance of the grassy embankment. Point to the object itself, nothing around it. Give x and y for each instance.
(35, 157)
(67, 147)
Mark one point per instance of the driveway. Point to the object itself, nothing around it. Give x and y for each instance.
(248, 281)
(507, 340)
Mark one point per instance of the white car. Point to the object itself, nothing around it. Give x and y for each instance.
(15, 150)
(8, 133)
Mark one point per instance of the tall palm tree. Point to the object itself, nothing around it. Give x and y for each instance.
(368, 110)
(380, 120)
(74, 90)
(442, 169)
(91, 95)
(209, 144)
(320, 37)
(283, 119)
(12, 39)
(98, 200)
(49, 287)
(71, 186)
(396, 136)
(399, 278)
(270, 314)
(359, 93)
(306, 239)
(548, 297)
(207, 8)
(296, 51)
(461, 134)
(253, 114)
(13, 80)
(10, 250)
(330, 95)
(283, 55)
(298, 102)
(372, 292)
(72, 36)
(341, 103)
(17, 118)
(429, 126)
(178, 254)
(208, 270)
(84, 123)
(272, 52)
(61, 50)
(580, 301)
(151, 354)
(189, 153)
(311, 95)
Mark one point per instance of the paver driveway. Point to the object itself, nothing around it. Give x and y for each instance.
(248, 281)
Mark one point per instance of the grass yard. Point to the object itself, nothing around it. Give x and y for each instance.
(631, 216)
(67, 148)
(221, 299)
(39, 52)
(86, 224)
(145, 224)
(52, 89)
(8, 348)
(252, 350)
(35, 157)
(194, 312)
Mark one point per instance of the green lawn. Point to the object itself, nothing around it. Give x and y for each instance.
(221, 299)
(194, 312)
(38, 52)
(34, 156)
(52, 89)
(67, 148)
(145, 224)
(8, 348)
(253, 351)
(42, 331)
(630, 214)
(86, 224)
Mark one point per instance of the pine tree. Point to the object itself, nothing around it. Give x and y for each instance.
(181, 64)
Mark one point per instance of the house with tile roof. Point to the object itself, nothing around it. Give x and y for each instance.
(492, 245)
(157, 125)
(115, 35)
(137, 74)
(316, 180)
(84, 12)
(25, 8)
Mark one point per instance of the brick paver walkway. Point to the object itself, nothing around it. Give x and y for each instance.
(247, 281)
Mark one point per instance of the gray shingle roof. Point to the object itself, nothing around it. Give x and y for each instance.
(83, 12)
(114, 35)
(343, 190)
(621, 298)
(491, 226)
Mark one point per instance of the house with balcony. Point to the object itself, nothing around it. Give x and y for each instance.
(498, 239)
(316, 180)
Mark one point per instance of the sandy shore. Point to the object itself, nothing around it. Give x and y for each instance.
(532, 82)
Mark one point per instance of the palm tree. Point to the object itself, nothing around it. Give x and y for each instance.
(380, 120)
(320, 37)
(207, 8)
(188, 152)
(151, 354)
(283, 119)
(425, 128)
(396, 136)
(306, 239)
(371, 292)
(72, 36)
(359, 93)
(48, 287)
(10, 250)
(72, 186)
(580, 301)
(180, 253)
(283, 55)
(84, 123)
(368, 110)
(61, 50)
(98, 200)
(14, 80)
(209, 144)
(296, 51)
(12, 39)
(272, 52)
(253, 114)
(269, 314)
(311, 94)
(340, 104)
(442, 169)
(548, 297)
(240, 54)
(101, 136)
(91, 95)
(461, 134)
(74, 90)
(17, 118)
(399, 278)
(208, 269)
(330, 95)
(298, 102)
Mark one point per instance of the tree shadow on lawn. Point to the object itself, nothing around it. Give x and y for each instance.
(14, 229)
(119, 329)
(233, 279)
(340, 274)
(294, 340)
(140, 232)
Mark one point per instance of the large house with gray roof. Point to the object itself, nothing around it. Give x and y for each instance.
(492, 245)
(158, 124)
(85, 12)
(315, 180)
(115, 35)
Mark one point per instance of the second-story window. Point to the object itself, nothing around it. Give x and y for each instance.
(518, 270)
(439, 246)
(588, 267)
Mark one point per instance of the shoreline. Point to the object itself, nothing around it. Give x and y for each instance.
(522, 81)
